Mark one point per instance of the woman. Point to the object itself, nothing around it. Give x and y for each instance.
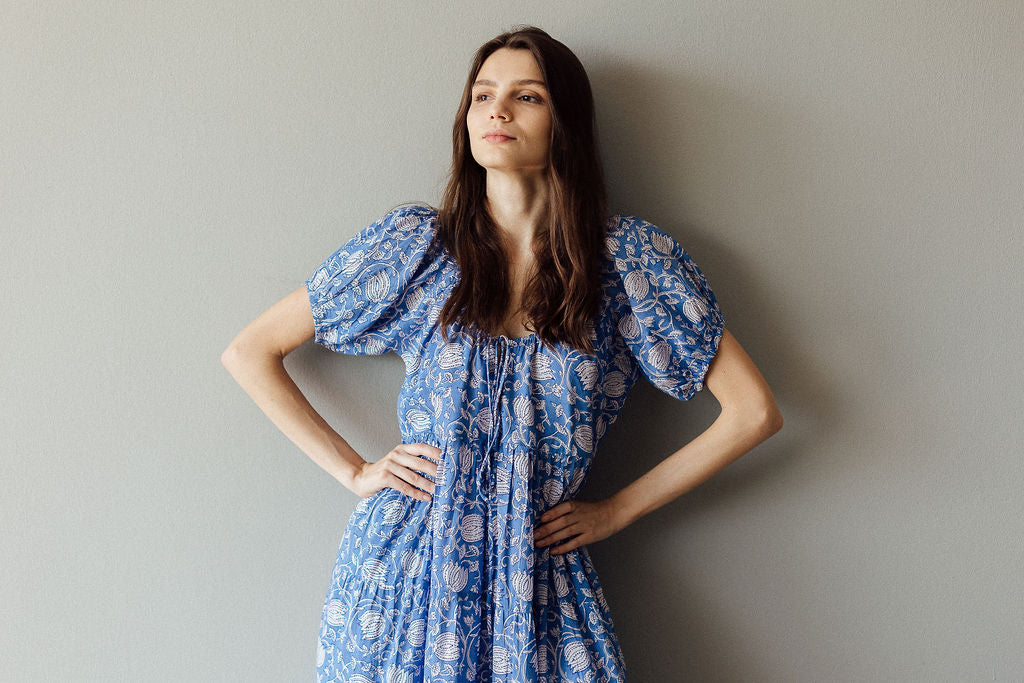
(524, 314)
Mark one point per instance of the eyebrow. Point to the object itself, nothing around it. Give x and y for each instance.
(525, 81)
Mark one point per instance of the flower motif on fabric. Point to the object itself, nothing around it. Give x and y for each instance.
(456, 580)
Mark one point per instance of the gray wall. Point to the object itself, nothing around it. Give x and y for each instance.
(848, 175)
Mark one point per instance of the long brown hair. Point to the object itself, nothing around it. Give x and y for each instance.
(562, 298)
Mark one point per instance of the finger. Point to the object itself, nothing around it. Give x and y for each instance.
(566, 547)
(424, 449)
(432, 454)
(423, 483)
(562, 533)
(557, 511)
(418, 481)
(563, 522)
(541, 534)
(545, 530)
(415, 462)
(413, 465)
(400, 484)
(575, 539)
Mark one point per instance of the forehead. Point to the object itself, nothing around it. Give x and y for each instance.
(505, 66)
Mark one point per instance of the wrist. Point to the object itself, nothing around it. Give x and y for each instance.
(351, 472)
(621, 509)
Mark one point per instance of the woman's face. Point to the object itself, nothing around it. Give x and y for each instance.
(510, 95)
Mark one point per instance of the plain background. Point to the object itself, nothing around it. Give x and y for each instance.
(848, 176)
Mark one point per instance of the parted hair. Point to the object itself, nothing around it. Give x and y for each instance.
(562, 298)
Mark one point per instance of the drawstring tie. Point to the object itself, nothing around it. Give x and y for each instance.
(495, 393)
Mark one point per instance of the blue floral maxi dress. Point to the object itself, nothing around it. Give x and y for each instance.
(452, 590)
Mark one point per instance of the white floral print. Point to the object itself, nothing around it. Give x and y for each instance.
(452, 590)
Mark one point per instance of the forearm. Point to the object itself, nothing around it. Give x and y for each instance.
(731, 435)
(268, 384)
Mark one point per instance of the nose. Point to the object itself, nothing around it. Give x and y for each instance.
(500, 110)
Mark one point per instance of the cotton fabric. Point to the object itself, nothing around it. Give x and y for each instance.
(452, 590)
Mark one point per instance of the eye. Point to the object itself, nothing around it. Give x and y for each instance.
(479, 98)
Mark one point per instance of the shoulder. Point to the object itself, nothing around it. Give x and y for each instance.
(404, 230)
(409, 218)
(630, 237)
(401, 237)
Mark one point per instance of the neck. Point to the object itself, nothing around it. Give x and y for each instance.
(517, 202)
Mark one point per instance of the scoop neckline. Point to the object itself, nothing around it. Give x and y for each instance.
(515, 340)
(510, 341)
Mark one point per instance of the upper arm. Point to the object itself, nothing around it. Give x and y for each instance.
(736, 382)
(280, 329)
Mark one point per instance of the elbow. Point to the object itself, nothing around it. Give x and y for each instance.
(776, 420)
(769, 419)
(234, 355)
(762, 418)
(228, 357)
(241, 353)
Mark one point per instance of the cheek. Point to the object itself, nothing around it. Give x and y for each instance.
(544, 127)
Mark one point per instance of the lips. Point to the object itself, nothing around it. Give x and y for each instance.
(498, 134)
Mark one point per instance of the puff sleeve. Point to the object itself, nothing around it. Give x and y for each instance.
(362, 295)
(668, 316)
